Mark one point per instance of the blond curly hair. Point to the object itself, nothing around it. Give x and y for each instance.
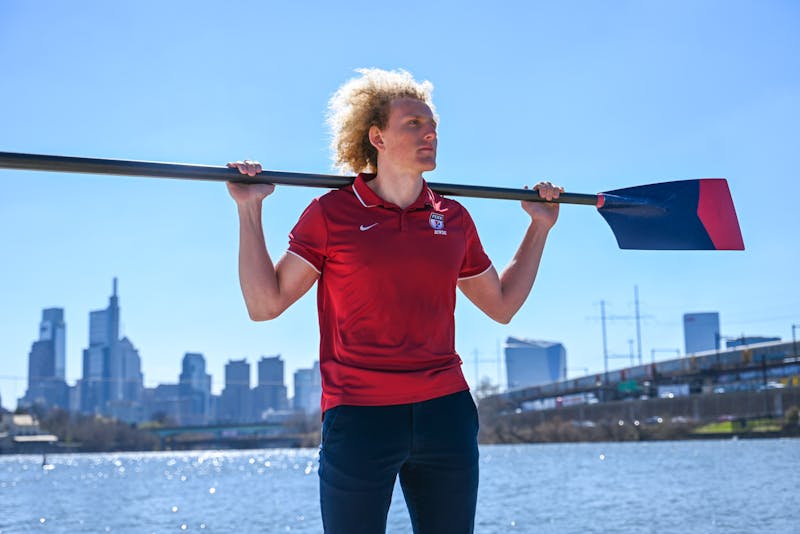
(364, 102)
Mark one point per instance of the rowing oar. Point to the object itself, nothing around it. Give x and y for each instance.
(681, 215)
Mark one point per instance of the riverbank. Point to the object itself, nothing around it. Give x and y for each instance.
(743, 415)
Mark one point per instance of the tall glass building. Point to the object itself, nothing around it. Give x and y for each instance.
(194, 390)
(701, 331)
(47, 363)
(112, 382)
(530, 362)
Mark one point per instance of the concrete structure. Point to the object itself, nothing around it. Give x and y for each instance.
(701, 331)
(530, 362)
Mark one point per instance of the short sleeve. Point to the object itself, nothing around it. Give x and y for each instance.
(476, 261)
(309, 237)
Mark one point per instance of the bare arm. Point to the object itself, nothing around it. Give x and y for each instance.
(268, 288)
(500, 297)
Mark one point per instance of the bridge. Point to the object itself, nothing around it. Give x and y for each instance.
(227, 436)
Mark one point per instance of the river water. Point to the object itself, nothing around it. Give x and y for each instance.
(745, 486)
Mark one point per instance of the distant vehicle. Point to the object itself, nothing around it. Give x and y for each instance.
(670, 391)
(584, 424)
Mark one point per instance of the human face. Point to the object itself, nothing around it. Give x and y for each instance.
(408, 142)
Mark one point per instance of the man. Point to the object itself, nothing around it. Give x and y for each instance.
(387, 254)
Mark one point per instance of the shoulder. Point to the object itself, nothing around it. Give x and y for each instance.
(330, 201)
(336, 197)
(447, 205)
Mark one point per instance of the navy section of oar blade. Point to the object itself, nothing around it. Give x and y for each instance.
(657, 217)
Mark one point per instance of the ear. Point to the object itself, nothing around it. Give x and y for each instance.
(376, 138)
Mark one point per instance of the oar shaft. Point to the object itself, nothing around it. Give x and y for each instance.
(151, 169)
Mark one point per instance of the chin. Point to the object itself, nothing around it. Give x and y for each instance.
(428, 165)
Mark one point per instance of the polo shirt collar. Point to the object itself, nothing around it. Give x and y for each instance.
(369, 199)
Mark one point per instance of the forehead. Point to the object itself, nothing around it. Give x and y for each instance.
(401, 107)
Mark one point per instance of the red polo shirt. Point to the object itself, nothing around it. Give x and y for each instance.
(387, 292)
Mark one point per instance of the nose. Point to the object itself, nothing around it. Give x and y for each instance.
(430, 133)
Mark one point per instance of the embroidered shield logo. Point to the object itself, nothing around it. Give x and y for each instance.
(437, 221)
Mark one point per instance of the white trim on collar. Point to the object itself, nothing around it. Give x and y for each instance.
(355, 190)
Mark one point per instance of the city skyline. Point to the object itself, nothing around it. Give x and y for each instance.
(104, 327)
(112, 378)
(594, 99)
(98, 336)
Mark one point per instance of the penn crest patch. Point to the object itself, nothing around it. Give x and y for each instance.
(436, 221)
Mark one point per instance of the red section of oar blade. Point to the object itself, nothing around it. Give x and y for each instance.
(715, 210)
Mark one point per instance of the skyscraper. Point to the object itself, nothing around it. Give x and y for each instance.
(46, 363)
(52, 328)
(112, 380)
(194, 390)
(270, 392)
(236, 401)
(530, 362)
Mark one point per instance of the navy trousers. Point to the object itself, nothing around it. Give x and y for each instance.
(431, 445)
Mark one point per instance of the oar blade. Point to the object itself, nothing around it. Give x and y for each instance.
(682, 215)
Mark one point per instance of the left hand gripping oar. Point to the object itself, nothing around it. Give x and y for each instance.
(683, 215)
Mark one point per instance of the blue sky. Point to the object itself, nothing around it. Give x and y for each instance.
(592, 95)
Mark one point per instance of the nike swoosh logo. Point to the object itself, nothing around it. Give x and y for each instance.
(365, 228)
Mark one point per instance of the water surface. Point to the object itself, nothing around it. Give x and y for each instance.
(745, 486)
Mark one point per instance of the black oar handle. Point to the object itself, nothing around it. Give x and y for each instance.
(152, 169)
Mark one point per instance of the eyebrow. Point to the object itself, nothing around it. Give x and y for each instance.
(418, 116)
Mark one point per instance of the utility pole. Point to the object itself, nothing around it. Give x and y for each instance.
(630, 346)
(637, 317)
(605, 347)
(638, 323)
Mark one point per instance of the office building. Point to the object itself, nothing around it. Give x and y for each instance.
(162, 403)
(236, 397)
(530, 362)
(52, 328)
(194, 390)
(112, 378)
(270, 392)
(46, 364)
(701, 332)
(307, 389)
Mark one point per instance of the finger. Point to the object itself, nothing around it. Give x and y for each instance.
(545, 190)
(240, 166)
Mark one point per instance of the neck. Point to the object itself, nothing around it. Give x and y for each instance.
(401, 189)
